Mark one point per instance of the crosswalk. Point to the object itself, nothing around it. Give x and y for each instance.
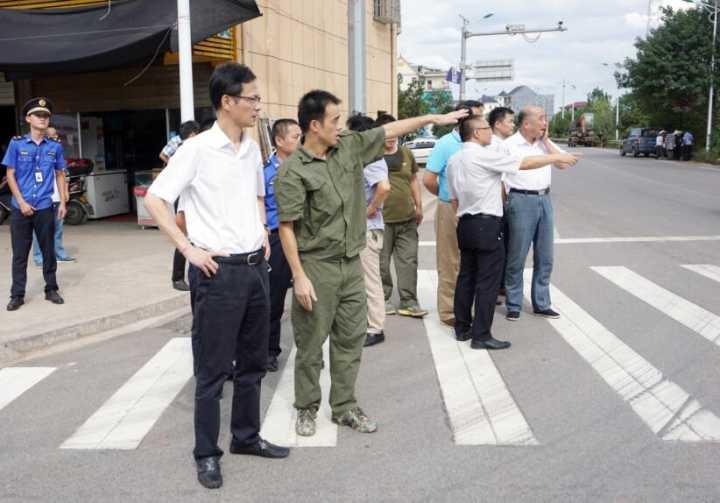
(476, 398)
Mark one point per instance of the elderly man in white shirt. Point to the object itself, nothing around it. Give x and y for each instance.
(474, 183)
(220, 176)
(530, 216)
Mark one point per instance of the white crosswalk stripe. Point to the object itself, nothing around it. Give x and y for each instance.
(707, 270)
(694, 317)
(477, 400)
(14, 381)
(123, 421)
(279, 424)
(668, 410)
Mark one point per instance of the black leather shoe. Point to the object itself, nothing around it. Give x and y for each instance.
(208, 470)
(547, 313)
(181, 285)
(373, 339)
(490, 344)
(463, 336)
(15, 303)
(512, 316)
(272, 364)
(262, 448)
(54, 297)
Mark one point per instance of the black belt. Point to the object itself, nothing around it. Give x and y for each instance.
(252, 258)
(532, 192)
(468, 216)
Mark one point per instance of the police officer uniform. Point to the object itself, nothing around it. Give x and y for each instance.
(34, 166)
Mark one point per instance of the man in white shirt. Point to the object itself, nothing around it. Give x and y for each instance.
(530, 216)
(474, 184)
(220, 176)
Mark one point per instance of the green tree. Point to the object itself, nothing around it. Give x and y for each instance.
(669, 76)
(411, 102)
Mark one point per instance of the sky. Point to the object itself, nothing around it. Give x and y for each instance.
(599, 31)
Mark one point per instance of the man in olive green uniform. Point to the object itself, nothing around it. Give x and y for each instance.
(402, 213)
(322, 212)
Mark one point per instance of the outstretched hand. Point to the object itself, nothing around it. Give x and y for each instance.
(450, 118)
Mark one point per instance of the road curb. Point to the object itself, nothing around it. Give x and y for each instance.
(17, 348)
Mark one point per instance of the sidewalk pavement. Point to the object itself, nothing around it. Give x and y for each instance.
(122, 275)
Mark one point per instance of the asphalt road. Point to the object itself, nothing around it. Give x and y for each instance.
(617, 401)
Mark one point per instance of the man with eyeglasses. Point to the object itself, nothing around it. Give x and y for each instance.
(220, 175)
(474, 186)
(35, 167)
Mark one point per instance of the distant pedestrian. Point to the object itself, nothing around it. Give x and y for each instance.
(35, 167)
(402, 215)
(660, 144)
(688, 141)
(377, 189)
(669, 145)
(60, 253)
(677, 154)
(286, 138)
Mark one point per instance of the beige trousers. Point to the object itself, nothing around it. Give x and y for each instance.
(370, 259)
(448, 259)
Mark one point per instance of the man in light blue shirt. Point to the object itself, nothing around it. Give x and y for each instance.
(446, 248)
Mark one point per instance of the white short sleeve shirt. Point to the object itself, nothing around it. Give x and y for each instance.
(533, 179)
(475, 178)
(220, 187)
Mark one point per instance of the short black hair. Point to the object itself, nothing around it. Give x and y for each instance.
(280, 128)
(499, 114)
(207, 124)
(384, 119)
(312, 107)
(188, 128)
(359, 123)
(468, 104)
(229, 79)
(468, 126)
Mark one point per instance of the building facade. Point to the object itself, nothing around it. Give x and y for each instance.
(522, 96)
(122, 118)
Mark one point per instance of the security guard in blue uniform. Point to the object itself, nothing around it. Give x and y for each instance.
(35, 164)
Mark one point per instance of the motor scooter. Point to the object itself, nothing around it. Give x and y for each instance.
(78, 208)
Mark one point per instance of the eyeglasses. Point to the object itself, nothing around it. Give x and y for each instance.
(485, 127)
(255, 100)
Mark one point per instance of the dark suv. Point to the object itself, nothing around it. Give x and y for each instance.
(640, 141)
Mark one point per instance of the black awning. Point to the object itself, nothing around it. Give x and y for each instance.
(45, 42)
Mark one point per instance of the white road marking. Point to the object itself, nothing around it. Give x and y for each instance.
(126, 417)
(668, 410)
(707, 270)
(14, 381)
(279, 424)
(619, 239)
(694, 317)
(478, 403)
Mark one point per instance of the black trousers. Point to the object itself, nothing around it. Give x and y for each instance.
(231, 312)
(280, 282)
(178, 270)
(482, 255)
(21, 236)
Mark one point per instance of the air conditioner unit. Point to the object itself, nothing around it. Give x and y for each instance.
(387, 11)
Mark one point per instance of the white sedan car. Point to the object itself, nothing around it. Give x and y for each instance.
(421, 147)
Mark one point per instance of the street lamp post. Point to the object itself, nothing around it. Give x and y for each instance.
(713, 8)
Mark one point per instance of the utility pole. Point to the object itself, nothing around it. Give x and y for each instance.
(511, 29)
(187, 105)
(356, 56)
(711, 96)
(562, 108)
